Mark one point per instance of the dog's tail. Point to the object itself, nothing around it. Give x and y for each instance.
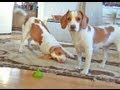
(20, 11)
(22, 15)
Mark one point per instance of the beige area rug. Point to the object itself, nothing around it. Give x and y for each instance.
(10, 57)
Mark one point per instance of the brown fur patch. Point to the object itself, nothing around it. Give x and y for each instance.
(84, 21)
(46, 56)
(78, 16)
(102, 34)
(35, 33)
(109, 29)
(57, 49)
(64, 19)
(38, 21)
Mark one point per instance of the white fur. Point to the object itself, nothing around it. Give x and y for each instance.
(83, 42)
(48, 40)
(74, 22)
(25, 32)
(60, 58)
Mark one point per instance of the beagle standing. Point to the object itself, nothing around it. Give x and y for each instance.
(87, 38)
(34, 29)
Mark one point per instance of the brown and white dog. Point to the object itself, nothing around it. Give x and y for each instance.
(87, 38)
(35, 29)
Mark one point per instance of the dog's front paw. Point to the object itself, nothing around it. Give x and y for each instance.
(85, 71)
(71, 56)
(74, 57)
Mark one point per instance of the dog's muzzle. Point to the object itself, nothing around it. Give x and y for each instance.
(72, 27)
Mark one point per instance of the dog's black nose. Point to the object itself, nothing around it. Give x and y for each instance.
(72, 26)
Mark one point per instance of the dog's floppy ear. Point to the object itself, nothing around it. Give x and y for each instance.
(63, 20)
(84, 21)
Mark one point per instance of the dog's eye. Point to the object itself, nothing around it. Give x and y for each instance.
(78, 19)
(69, 19)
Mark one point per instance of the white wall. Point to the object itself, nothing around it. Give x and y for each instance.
(94, 12)
(6, 15)
(60, 34)
(47, 9)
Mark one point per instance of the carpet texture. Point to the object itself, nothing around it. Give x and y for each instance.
(10, 57)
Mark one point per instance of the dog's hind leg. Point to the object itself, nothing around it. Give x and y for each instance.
(22, 43)
(24, 37)
(118, 49)
(105, 57)
(29, 43)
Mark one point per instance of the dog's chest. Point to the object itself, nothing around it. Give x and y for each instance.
(79, 40)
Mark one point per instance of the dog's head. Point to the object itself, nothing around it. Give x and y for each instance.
(58, 54)
(75, 20)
